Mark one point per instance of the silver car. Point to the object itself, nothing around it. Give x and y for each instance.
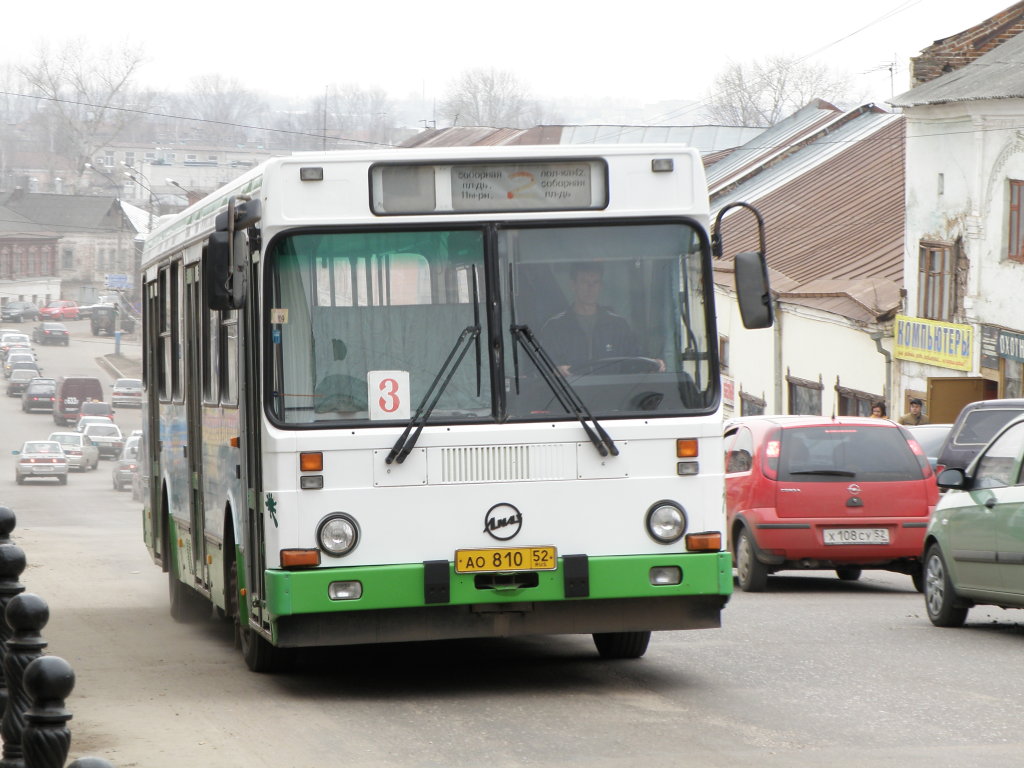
(107, 437)
(82, 452)
(41, 458)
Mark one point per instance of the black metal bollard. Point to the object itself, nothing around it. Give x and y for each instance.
(26, 614)
(12, 564)
(48, 681)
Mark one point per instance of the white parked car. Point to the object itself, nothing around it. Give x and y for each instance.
(108, 438)
(82, 452)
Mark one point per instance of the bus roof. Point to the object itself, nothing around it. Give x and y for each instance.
(340, 188)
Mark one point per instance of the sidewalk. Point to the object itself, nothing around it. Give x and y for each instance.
(121, 367)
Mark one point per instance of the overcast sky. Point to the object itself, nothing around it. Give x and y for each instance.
(647, 50)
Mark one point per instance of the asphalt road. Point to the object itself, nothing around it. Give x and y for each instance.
(813, 672)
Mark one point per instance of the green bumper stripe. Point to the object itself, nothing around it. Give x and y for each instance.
(401, 586)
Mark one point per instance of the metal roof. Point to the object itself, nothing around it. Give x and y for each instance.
(771, 144)
(834, 217)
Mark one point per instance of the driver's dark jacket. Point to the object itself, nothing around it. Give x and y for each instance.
(569, 344)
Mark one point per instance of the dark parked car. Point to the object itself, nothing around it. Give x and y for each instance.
(51, 333)
(39, 395)
(977, 424)
(18, 382)
(814, 493)
(19, 311)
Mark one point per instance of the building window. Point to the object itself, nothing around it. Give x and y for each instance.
(750, 405)
(804, 396)
(936, 297)
(129, 158)
(108, 159)
(1015, 246)
(723, 353)
(853, 402)
(67, 258)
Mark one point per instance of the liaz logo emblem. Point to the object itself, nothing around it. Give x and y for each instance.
(503, 522)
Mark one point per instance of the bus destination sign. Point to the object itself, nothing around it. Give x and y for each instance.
(525, 186)
(566, 185)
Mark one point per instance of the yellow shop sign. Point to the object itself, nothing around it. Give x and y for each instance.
(946, 345)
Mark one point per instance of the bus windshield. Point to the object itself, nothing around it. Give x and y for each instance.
(620, 311)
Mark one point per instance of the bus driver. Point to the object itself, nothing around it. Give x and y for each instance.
(588, 332)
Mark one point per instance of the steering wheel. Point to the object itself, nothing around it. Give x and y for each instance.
(617, 365)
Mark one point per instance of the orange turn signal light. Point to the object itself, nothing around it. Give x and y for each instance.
(233, 442)
(311, 462)
(686, 448)
(300, 558)
(710, 541)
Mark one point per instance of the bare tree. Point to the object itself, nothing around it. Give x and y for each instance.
(761, 93)
(227, 111)
(85, 100)
(490, 97)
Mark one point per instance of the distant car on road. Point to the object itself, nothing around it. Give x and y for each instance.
(108, 438)
(82, 452)
(51, 333)
(973, 549)
(18, 382)
(41, 458)
(97, 408)
(127, 392)
(127, 465)
(815, 493)
(17, 356)
(25, 365)
(19, 311)
(11, 341)
(39, 395)
(931, 438)
(105, 318)
(60, 310)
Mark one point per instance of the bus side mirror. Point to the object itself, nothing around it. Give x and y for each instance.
(217, 271)
(752, 291)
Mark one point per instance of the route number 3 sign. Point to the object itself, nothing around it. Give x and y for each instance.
(388, 394)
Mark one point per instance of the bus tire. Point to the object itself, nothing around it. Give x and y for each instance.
(260, 656)
(622, 645)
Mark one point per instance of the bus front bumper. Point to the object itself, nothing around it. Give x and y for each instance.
(429, 601)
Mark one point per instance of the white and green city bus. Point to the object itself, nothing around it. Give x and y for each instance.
(424, 394)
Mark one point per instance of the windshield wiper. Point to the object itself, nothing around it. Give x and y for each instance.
(835, 472)
(471, 333)
(567, 397)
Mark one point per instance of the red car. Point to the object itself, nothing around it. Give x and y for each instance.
(843, 494)
(59, 310)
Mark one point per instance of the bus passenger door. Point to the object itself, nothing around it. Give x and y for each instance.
(250, 399)
(149, 456)
(192, 343)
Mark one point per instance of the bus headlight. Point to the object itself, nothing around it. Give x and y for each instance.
(337, 534)
(666, 522)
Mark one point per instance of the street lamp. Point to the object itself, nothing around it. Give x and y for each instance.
(114, 182)
(138, 176)
(190, 195)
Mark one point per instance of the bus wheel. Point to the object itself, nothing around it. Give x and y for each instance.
(259, 655)
(622, 645)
